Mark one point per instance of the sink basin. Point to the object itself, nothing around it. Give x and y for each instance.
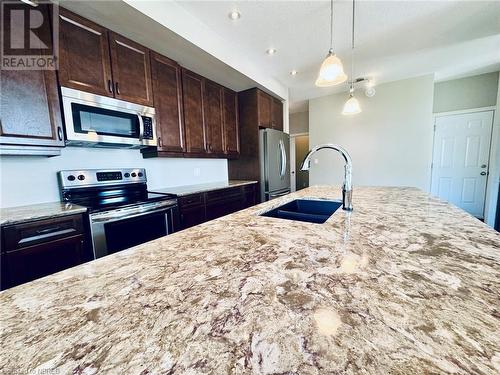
(308, 210)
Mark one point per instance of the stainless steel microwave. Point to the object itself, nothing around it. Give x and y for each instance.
(99, 121)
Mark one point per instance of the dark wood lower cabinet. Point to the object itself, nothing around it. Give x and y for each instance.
(199, 208)
(37, 249)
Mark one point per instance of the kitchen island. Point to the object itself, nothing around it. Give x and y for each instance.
(404, 284)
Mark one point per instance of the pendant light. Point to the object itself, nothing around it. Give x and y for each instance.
(331, 71)
(351, 106)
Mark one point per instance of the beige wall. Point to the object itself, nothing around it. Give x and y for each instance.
(466, 93)
(299, 122)
(390, 141)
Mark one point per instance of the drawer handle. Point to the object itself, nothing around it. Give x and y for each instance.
(44, 235)
(48, 230)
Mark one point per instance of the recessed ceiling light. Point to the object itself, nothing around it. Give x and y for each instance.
(293, 72)
(271, 51)
(234, 15)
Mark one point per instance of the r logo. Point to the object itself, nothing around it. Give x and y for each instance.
(30, 35)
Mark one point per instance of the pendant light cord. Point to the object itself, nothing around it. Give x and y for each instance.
(331, 26)
(352, 49)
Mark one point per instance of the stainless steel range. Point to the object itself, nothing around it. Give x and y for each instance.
(121, 211)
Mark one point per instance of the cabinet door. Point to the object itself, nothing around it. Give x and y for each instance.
(84, 62)
(131, 70)
(192, 216)
(231, 124)
(194, 125)
(213, 117)
(30, 263)
(29, 103)
(264, 109)
(277, 114)
(167, 93)
(192, 209)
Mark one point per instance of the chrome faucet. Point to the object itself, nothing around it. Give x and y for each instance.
(347, 187)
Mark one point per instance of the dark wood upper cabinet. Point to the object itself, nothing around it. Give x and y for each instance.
(231, 123)
(29, 107)
(264, 107)
(277, 114)
(84, 62)
(131, 70)
(167, 92)
(214, 117)
(194, 124)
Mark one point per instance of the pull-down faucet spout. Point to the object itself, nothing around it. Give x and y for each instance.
(347, 186)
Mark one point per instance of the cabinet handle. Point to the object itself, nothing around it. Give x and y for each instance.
(110, 86)
(160, 143)
(117, 89)
(59, 133)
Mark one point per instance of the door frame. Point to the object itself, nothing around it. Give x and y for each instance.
(464, 112)
(293, 172)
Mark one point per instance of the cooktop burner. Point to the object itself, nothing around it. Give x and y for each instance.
(100, 190)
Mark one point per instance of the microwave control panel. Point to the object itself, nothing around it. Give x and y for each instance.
(148, 127)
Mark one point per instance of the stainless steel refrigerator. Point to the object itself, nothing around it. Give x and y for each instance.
(274, 152)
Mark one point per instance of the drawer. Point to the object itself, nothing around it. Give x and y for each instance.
(218, 195)
(249, 188)
(18, 236)
(191, 200)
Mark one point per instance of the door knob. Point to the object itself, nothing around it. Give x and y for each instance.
(483, 173)
(483, 166)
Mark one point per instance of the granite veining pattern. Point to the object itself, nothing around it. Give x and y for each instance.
(20, 214)
(405, 284)
(201, 188)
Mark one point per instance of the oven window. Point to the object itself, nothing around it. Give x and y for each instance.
(104, 121)
(123, 234)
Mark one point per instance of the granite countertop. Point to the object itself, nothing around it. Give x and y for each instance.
(201, 188)
(404, 284)
(21, 214)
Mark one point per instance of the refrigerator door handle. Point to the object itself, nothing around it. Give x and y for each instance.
(284, 158)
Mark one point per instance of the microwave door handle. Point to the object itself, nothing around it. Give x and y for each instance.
(141, 126)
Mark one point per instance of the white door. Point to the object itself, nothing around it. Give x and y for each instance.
(460, 160)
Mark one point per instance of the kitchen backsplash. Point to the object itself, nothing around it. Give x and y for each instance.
(29, 179)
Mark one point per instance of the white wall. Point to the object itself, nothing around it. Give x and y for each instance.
(29, 179)
(466, 93)
(390, 141)
(494, 167)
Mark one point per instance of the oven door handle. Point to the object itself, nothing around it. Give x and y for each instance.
(109, 218)
(141, 126)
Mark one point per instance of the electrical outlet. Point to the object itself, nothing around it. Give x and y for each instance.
(197, 172)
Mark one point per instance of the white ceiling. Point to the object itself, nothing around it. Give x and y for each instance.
(394, 39)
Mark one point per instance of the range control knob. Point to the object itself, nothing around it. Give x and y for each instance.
(140, 174)
(133, 174)
(71, 178)
(81, 177)
(127, 175)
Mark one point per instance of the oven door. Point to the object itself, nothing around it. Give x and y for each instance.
(106, 122)
(116, 230)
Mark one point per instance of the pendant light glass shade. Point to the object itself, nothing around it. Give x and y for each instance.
(351, 107)
(331, 72)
